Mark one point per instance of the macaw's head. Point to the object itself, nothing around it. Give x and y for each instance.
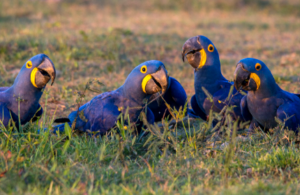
(253, 75)
(37, 72)
(200, 52)
(147, 78)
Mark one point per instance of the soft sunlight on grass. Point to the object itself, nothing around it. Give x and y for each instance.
(99, 42)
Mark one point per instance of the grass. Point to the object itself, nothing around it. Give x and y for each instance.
(104, 40)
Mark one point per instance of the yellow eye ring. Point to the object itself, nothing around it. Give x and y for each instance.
(144, 69)
(28, 64)
(257, 66)
(210, 48)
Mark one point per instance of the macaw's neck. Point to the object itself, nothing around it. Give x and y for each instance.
(265, 91)
(26, 92)
(134, 94)
(23, 97)
(208, 74)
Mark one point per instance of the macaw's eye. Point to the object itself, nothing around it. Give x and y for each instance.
(144, 69)
(210, 48)
(257, 66)
(28, 64)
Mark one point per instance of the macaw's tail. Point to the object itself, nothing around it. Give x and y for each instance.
(58, 128)
(62, 120)
(61, 128)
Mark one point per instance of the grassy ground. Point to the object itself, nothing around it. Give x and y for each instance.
(104, 40)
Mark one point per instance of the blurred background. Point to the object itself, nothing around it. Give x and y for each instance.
(105, 39)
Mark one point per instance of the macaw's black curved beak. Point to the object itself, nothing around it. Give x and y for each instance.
(243, 80)
(45, 72)
(183, 55)
(191, 50)
(157, 81)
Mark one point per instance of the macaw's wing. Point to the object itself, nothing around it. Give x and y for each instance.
(244, 109)
(298, 95)
(102, 116)
(220, 98)
(150, 116)
(3, 88)
(196, 109)
(73, 115)
(178, 93)
(88, 115)
(5, 115)
(290, 114)
(3, 95)
(229, 96)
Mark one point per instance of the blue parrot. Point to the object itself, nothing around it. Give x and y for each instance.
(203, 56)
(175, 96)
(22, 98)
(265, 99)
(101, 113)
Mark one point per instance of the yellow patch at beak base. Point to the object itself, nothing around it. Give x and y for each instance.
(145, 81)
(32, 77)
(256, 78)
(203, 58)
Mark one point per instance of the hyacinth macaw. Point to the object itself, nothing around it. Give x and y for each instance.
(22, 98)
(101, 114)
(203, 56)
(265, 99)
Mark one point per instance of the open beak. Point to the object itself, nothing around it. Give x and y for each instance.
(158, 81)
(243, 79)
(41, 74)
